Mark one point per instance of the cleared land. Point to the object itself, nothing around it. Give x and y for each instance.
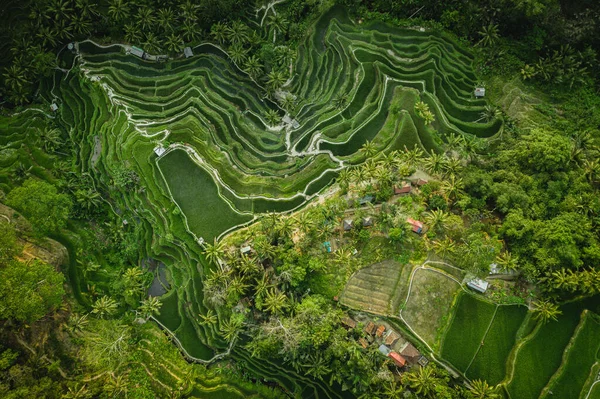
(429, 303)
(464, 337)
(375, 288)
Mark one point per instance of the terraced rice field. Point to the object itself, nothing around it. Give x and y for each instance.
(223, 158)
(377, 288)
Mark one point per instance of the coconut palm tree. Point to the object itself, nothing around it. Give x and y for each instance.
(152, 43)
(190, 31)
(413, 157)
(104, 307)
(48, 36)
(214, 252)
(81, 24)
(316, 367)
(230, 328)
(210, 318)
(165, 19)
(85, 8)
(489, 35)
(393, 390)
(77, 323)
(546, 311)
(436, 219)
(288, 103)
(219, 32)
(444, 247)
(116, 385)
(453, 166)
(174, 43)
(59, 10)
(145, 18)
(150, 306)
(369, 149)
(188, 10)
(276, 79)
(272, 117)
(422, 381)
(507, 261)
(88, 198)
(284, 55)
(237, 53)
(133, 33)
(452, 187)
(77, 391)
(481, 390)
(276, 23)
(490, 113)
(253, 67)
(435, 163)
(118, 10)
(344, 179)
(275, 301)
(238, 32)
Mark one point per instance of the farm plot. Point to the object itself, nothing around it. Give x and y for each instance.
(428, 304)
(490, 361)
(471, 320)
(580, 358)
(375, 288)
(540, 357)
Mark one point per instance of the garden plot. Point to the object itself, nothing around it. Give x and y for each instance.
(428, 303)
(375, 287)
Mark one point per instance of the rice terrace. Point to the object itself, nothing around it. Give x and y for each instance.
(311, 199)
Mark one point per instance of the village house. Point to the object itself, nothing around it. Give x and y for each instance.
(478, 285)
(397, 359)
(410, 353)
(403, 189)
(479, 92)
(391, 339)
(380, 331)
(370, 328)
(347, 224)
(348, 322)
(416, 225)
(363, 342)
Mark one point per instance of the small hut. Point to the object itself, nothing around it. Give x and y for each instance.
(479, 92)
(188, 52)
(347, 224)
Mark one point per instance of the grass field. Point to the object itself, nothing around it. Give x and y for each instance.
(470, 322)
(430, 300)
(490, 362)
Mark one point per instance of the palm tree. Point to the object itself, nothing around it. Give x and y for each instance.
(342, 257)
(546, 311)
(284, 55)
(422, 381)
(48, 36)
(272, 117)
(436, 219)
(81, 24)
(262, 286)
(562, 280)
(88, 199)
(453, 166)
(277, 24)
(317, 367)
(15, 76)
(190, 31)
(454, 140)
(284, 226)
(116, 385)
(237, 53)
(219, 32)
(452, 187)
(174, 43)
(210, 318)
(77, 323)
(507, 261)
(288, 103)
(152, 43)
(59, 9)
(435, 163)
(591, 170)
(188, 10)
(85, 8)
(344, 179)
(238, 32)
(104, 307)
(489, 35)
(413, 157)
(150, 306)
(133, 33)
(276, 79)
(481, 390)
(214, 252)
(231, 327)
(444, 247)
(145, 18)
(393, 390)
(77, 391)
(275, 301)
(253, 67)
(369, 149)
(490, 113)
(118, 10)
(165, 19)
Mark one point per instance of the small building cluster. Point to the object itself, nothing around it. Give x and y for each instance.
(388, 342)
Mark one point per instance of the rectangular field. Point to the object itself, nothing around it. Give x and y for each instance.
(490, 362)
(465, 335)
